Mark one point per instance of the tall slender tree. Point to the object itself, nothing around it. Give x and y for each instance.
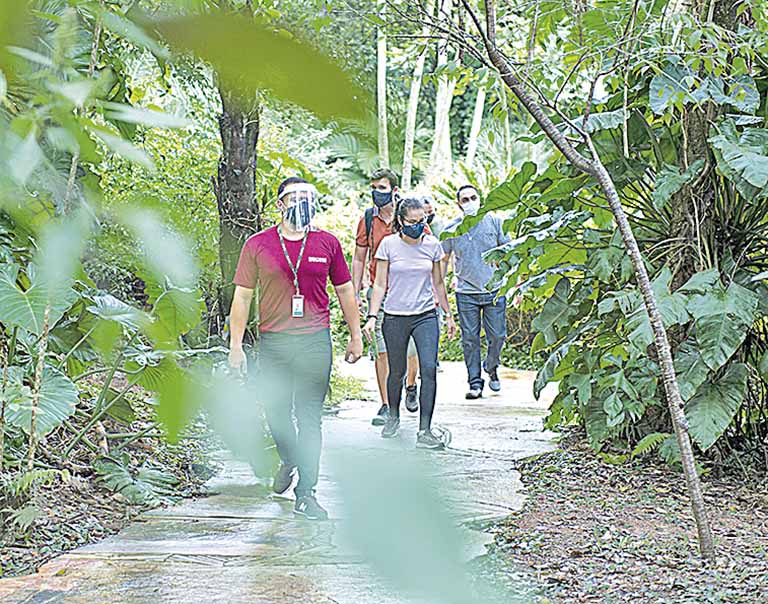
(477, 122)
(413, 104)
(592, 165)
(381, 89)
(440, 158)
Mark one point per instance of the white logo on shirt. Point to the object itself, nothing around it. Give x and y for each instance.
(318, 259)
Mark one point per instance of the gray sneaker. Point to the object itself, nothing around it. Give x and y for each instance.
(307, 506)
(283, 478)
(391, 427)
(412, 398)
(381, 417)
(494, 383)
(426, 440)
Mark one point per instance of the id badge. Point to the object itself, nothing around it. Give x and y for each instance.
(297, 306)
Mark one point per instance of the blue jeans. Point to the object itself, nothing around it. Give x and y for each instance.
(476, 310)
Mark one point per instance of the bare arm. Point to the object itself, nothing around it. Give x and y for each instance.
(379, 289)
(379, 286)
(346, 295)
(238, 319)
(445, 264)
(358, 268)
(438, 281)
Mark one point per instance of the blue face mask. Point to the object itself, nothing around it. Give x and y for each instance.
(381, 199)
(414, 231)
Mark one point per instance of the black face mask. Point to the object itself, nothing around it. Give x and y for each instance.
(381, 199)
(430, 218)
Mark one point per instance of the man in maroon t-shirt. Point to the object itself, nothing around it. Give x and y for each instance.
(291, 265)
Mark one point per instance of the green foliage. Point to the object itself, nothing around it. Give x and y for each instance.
(57, 400)
(231, 42)
(568, 262)
(145, 486)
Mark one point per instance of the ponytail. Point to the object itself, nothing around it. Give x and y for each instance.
(404, 204)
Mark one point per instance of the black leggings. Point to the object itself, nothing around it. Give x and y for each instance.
(397, 330)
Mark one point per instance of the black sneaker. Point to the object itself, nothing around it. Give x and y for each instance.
(307, 506)
(426, 440)
(412, 398)
(493, 381)
(283, 478)
(474, 393)
(381, 417)
(391, 427)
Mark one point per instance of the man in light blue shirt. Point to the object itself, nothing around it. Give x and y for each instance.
(477, 299)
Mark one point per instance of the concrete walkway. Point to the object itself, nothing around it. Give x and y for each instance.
(243, 545)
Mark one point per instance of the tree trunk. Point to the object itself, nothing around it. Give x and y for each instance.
(234, 187)
(36, 388)
(440, 158)
(413, 106)
(690, 211)
(4, 363)
(381, 89)
(474, 131)
(595, 168)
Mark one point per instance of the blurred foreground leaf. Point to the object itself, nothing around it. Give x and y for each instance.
(249, 57)
(396, 516)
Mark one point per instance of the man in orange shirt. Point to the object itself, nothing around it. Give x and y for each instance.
(373, 226)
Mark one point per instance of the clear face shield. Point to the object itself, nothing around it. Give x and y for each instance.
(300, 203)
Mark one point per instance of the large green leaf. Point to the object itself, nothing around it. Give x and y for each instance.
(701, 282)
(711, 411)
(723, 317)
(58, 397)
(737, 301)
(26, 308)
(669, 181)
(180, 395)
(743, 155)
(145, 486)
(248, 56)
(669, 88)
(691, 369)
(176, 311)
(13, 29)
(605, 120)
(672, 306)
(550, 367)
(109, 308)
(557, 311)
(719, 337)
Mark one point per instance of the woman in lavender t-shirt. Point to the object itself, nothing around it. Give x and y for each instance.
(408, 266)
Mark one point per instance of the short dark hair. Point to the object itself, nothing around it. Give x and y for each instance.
(394, 180)
(462, 188)
(291, 180)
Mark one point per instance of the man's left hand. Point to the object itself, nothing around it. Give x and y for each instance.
(451, 327)
(354, 350)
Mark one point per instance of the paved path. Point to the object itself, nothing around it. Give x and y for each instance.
(243, 545)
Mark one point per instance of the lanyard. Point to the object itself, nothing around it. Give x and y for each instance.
(294, 269)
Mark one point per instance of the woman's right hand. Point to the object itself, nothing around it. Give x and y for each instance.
(369, 328)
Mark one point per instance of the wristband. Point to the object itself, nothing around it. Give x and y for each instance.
(372, 317)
